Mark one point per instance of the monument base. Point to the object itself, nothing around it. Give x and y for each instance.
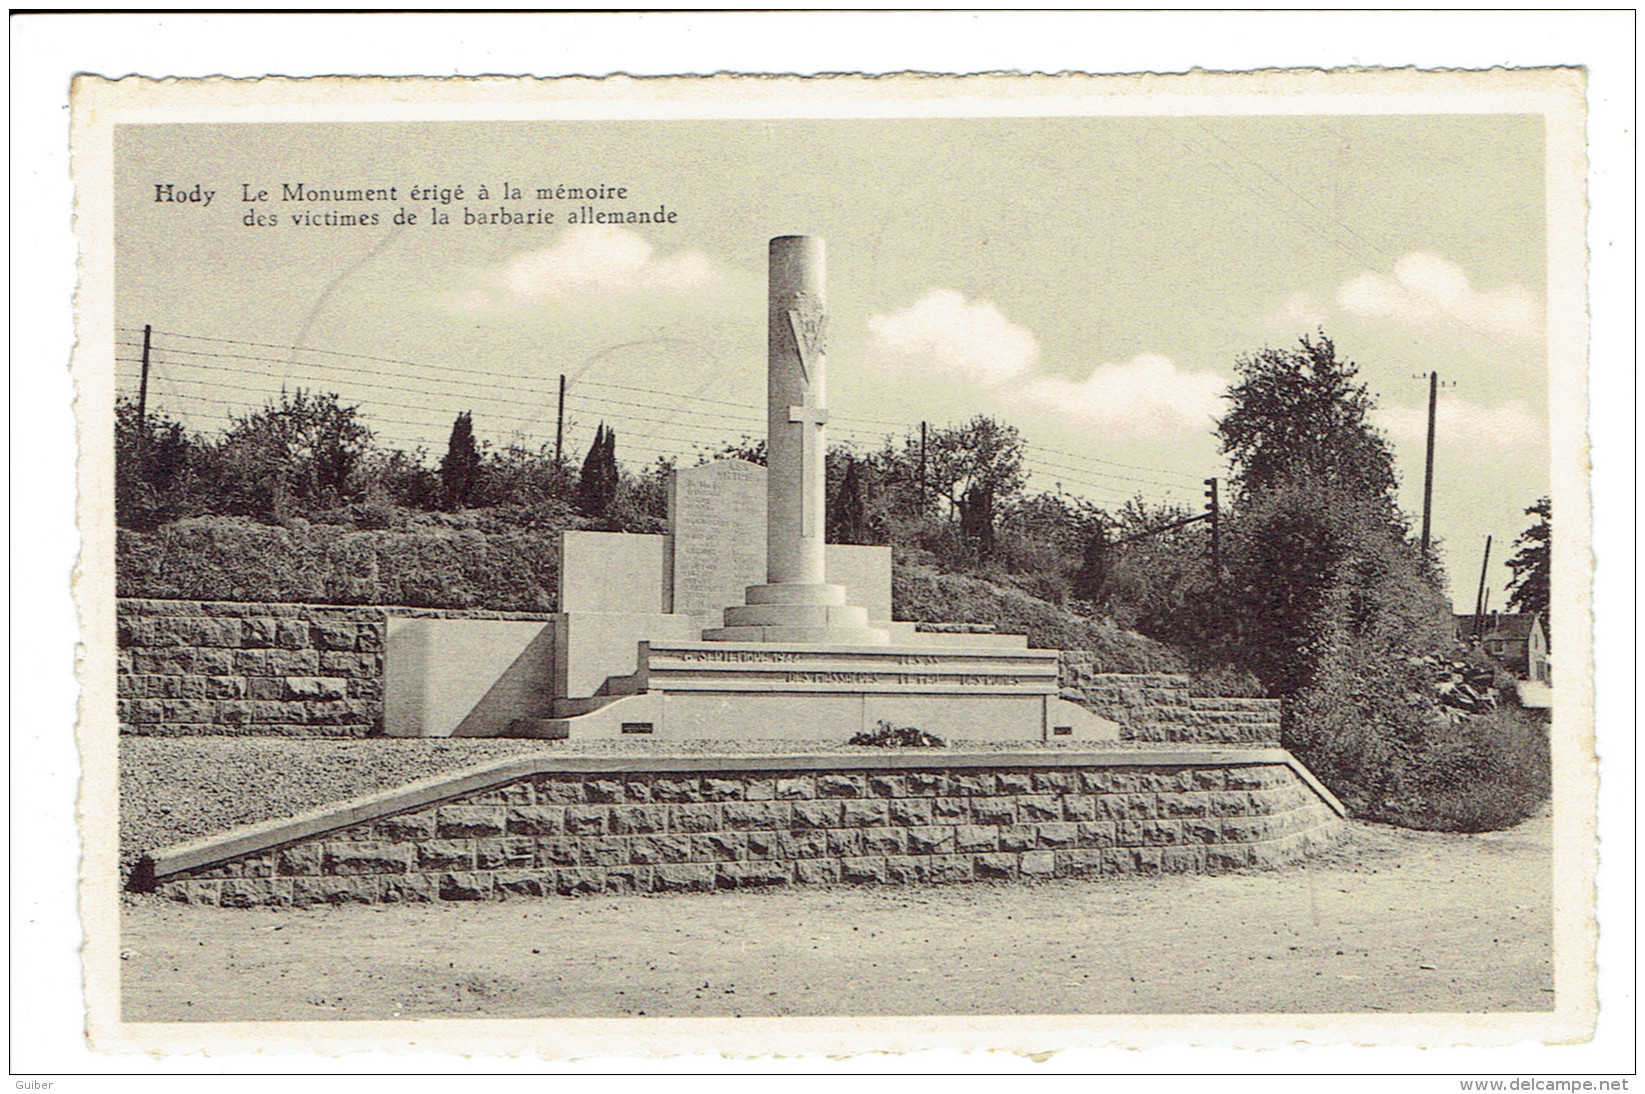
(723, 690)
(798, 613)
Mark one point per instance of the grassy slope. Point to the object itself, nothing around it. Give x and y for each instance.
(438, 565)
(923, 594)
(506, 561)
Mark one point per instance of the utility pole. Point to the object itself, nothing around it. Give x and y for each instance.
(1212, 508)
(1434, 385)
(559, 426)
(1479, 598)
(143, 384)
(143, 403)
(1428, 475)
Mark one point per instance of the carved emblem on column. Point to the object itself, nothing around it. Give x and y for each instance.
(810, 326)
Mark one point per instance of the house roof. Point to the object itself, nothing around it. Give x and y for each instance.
(1499, 626)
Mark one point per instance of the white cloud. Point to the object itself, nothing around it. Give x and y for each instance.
(1464, 426)
(1427, 290)
(943, 334)
(586, 262)
(1147, 396)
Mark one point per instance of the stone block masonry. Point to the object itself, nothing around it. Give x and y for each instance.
(191, 667)
(1156, 707)
(576, 825)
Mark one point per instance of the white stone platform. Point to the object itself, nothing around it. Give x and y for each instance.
(720, 690)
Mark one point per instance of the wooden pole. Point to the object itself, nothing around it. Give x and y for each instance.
(1479, 598)
(143, 384)
(559, 426)
(1428, 475)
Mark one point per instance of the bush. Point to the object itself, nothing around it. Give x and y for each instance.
(300, 453)
(156, 468)
(1336, 609)
(515, 475)
(1463, 773)
(886, 735)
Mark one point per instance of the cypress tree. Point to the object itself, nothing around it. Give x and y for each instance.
(460, 468)
(848, 515)
(597, 487)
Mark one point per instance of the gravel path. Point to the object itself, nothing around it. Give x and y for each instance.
(1392, 921)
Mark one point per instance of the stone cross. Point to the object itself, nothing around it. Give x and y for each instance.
(811, 448)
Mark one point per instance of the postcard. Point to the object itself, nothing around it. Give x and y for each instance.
(807, 566)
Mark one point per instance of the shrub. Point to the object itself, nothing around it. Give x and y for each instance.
(460, 468)
(236, 558)
(886, 735)
(301, 452)
(156, 468)
(515, 475)
(597, 485)
(396, 478)
(1467, 773)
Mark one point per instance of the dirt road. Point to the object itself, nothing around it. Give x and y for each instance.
(1391, 921)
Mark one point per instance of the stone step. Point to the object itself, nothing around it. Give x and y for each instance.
(616, 686)
(796, 593)
(545, 729)
(790, 635)
(797, 615)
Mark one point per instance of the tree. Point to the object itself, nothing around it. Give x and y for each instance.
(597, 488)
(1532, 562)
(305, 447)
(848, 511)
(154, 468)
(1326, 598)
(1092, 576)
(1300, 415)
(978, 468)
(460, 468)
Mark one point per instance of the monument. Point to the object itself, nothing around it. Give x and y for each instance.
(702, 634)
(796, 603)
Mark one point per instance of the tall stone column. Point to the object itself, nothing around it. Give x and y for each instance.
(796, 397)
(796, 604)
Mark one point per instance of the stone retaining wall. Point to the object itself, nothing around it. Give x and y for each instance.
(222, 667)
(1157, 707)
(744, 822)
(314, 670)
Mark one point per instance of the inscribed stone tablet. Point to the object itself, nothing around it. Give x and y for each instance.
(717, 515)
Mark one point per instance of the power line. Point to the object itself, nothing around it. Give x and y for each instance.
(1100, 474)
(1099, 459)
(685, 430)
(493, 415)
(228, 415)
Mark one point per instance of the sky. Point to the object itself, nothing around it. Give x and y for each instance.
(1090, 280)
